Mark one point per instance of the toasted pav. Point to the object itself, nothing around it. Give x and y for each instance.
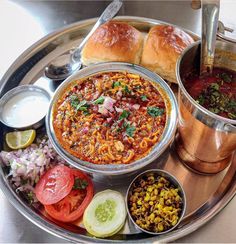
(113, 41)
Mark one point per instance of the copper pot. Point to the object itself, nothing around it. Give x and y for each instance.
(206, 141)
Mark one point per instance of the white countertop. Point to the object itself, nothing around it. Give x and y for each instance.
(24, 22)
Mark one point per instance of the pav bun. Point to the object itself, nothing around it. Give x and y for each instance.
(163, 46)
(113, 41)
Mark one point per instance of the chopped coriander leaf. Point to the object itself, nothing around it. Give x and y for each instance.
(100, 100)
(84, 109)
(201, 99)
(74, 101)
(232, 104)
(82, 106)
(125, 114)
(80, 184)
(116, 84)
(126, 89)
(130, 130)
(143, 98)
(155, 111)
(86, 113)
(125, 124)
(226, 77)
(215, 86)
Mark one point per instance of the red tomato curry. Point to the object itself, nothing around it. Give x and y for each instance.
(217, 92)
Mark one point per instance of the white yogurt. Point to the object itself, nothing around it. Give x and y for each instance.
(25, 108)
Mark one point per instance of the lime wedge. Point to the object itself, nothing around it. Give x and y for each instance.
(20, 139)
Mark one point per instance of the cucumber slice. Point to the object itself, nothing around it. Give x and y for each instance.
(106, 213)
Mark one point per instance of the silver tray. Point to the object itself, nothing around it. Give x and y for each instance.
(206, 194)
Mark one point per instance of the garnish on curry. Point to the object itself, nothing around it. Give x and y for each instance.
(110, 118)
(217, 92)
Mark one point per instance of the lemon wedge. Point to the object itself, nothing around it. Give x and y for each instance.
(20, 139)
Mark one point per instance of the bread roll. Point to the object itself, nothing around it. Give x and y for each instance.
(113, 41)
(162, 48)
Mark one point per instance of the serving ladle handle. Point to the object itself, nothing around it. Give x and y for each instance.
(210, 17)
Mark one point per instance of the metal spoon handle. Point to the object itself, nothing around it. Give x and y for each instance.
(110, 11)
(210, 16)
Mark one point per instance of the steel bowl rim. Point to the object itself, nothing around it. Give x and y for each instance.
(17, 90)
(187, 95)
(175, 182)
(113, 169)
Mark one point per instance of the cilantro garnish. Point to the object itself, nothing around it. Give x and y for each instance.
(215, 86)
(130, 130)
(116, 84)
(82, 106)
(74, 101)
(200, 99)
(226, 77)
(155, 111)
(100, 100)
(126, 89)
(80, 184)
(232, 104)
(124, 115)
(216, 101)
(143, 98)
(86, 113)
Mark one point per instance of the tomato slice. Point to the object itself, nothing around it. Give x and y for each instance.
(54, 185)
(73, 205)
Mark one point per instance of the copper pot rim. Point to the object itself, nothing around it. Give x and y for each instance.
(187, 95)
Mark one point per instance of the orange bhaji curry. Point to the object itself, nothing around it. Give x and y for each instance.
(110, 118)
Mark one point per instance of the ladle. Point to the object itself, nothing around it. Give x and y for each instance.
(210, 17)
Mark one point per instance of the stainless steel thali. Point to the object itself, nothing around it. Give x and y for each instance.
(206, 194)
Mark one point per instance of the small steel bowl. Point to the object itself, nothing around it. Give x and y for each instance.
(16, 91)
(173, 181)
(117, 169)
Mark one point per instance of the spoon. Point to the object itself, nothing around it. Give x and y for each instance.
(210, 17)
(63, 66)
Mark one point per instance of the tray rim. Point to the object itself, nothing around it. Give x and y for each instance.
(39, 221)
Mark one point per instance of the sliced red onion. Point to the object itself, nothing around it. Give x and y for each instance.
(106, 106)
(109, 120)
(108, 103)
(85, 130)
(102, 110)
(119, 110)
(136, 106)
(119, 94)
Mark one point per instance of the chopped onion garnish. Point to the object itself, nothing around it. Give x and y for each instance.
(106, 106)
(28, 165)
